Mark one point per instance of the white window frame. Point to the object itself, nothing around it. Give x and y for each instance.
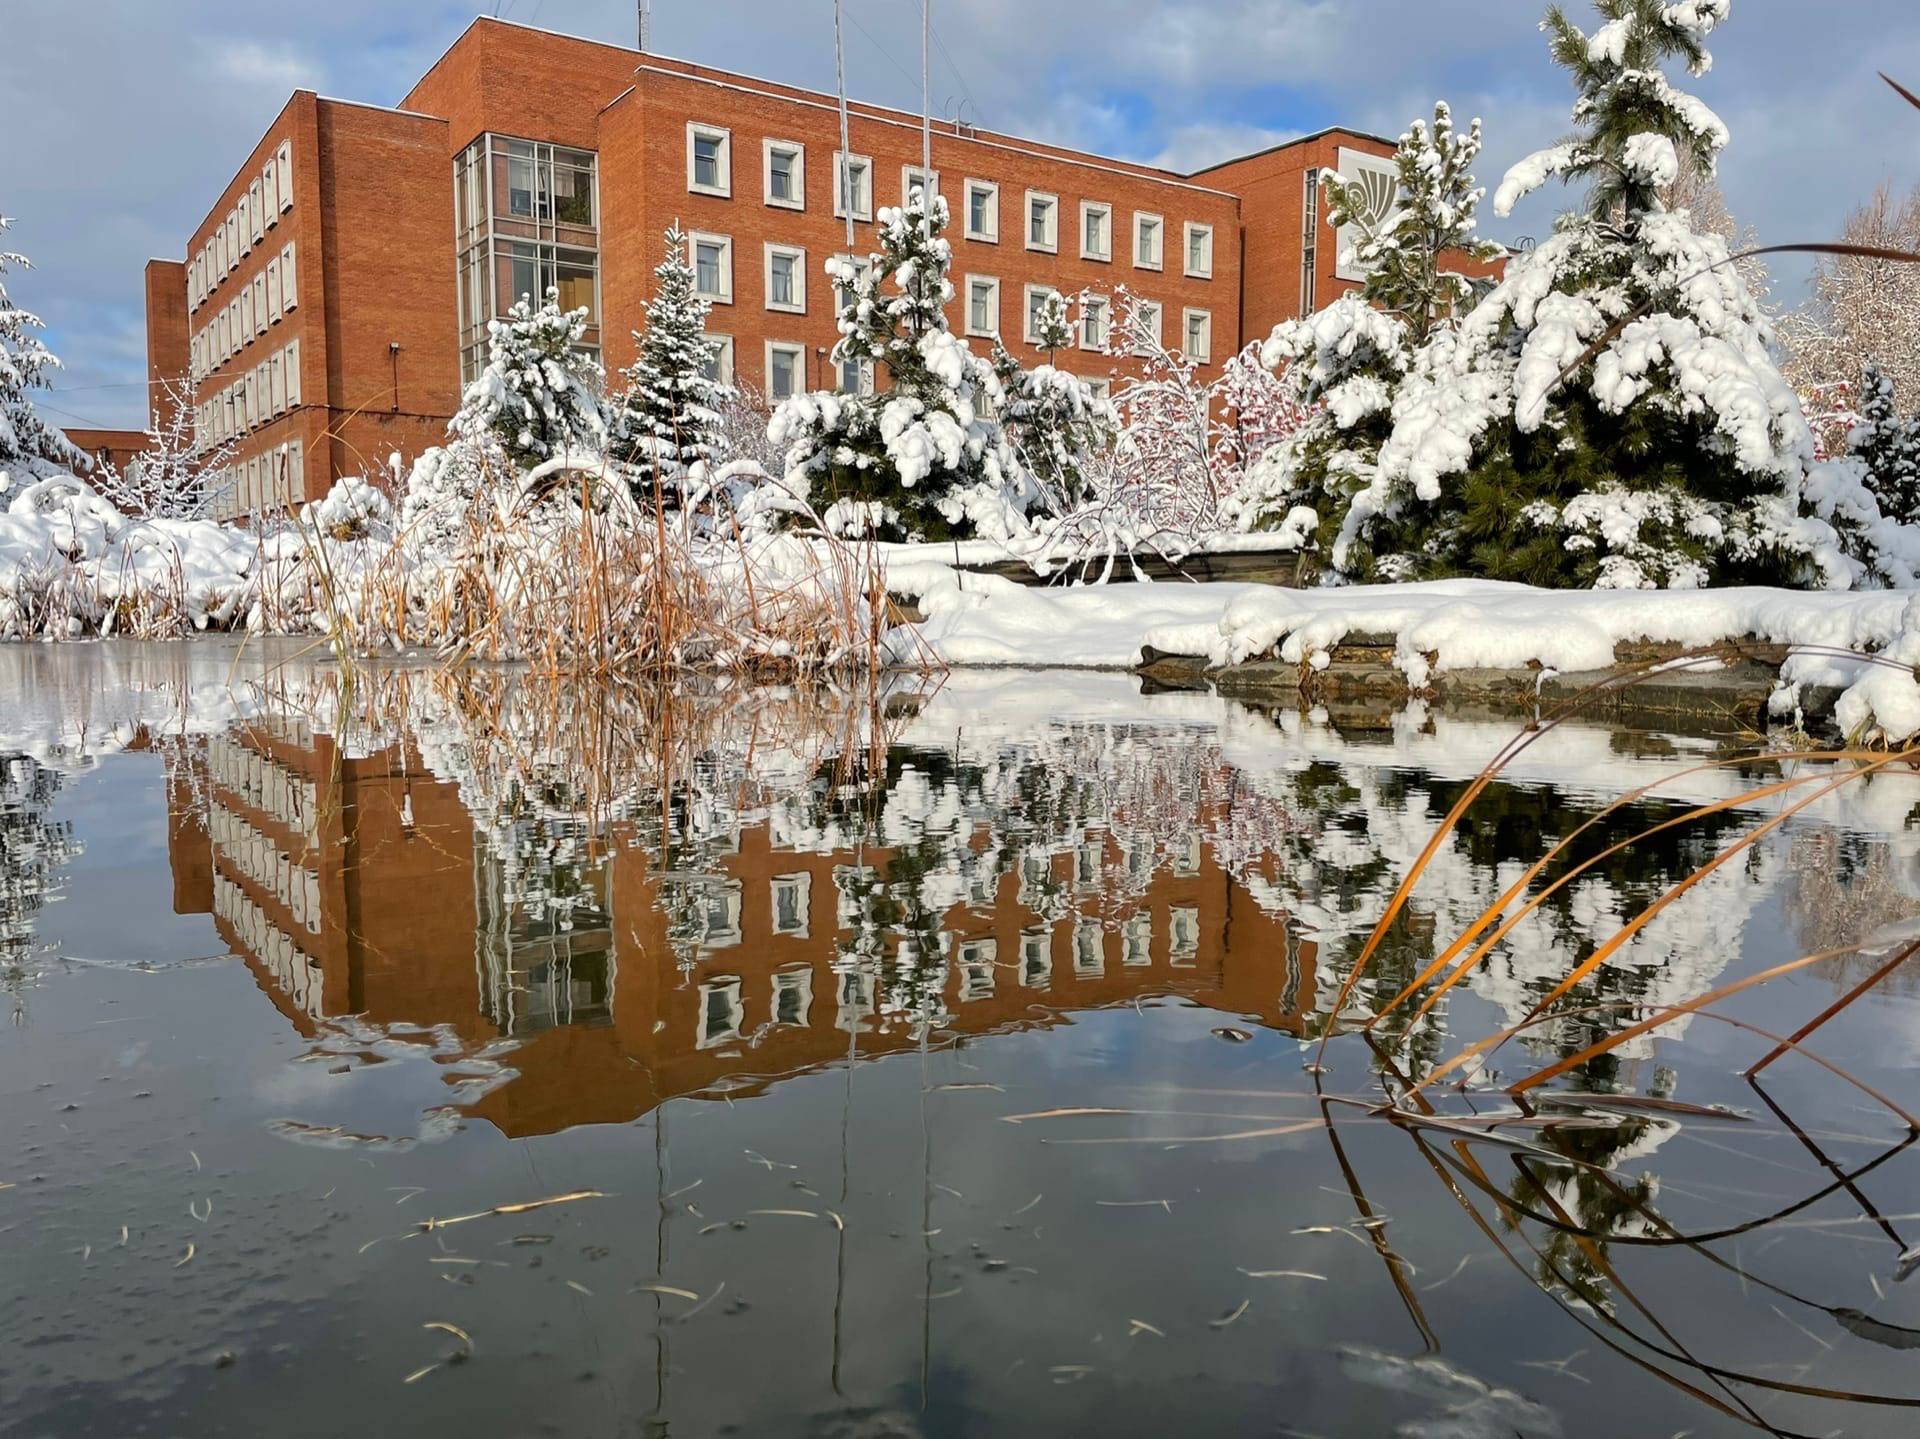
(907, 175)
(1102, 305)
(727, 986)
(246, 315)
(1191, 229)
(243, 213)
(270, 192)
(798, 305)
(292, 354)
(799, 352)
(697, 129)
(863, 381)
(1159, 261)
(1051, 245)
(862, 163)
(257, 204)
(967, 318)
(795, 979)
(283, 162)
(801, 884)
(261, 320)
(276, 376)
(297, 490)
(273, 291)
(1089, 208)
(289, 270)
(1027, 332)
(799, 152)
(990, 235)
(723, 296)
(1159, 313)
(233, 239)
(1187, 317)
(722, 347)
(1101, 389)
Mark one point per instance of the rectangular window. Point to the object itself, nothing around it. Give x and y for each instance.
(983, 306)
(853, 179)
(1197, 336)
(786, 177)
(854, 377)
(1096, 231)
(1153, 330)
(283, 167)
(246, 315)
(293, 373)
(270, 194)
(912, 178)
(1095, 321)
(233, 240)
(243, 213)
(1037, 297)
(1101, 390)
(786, 279)
(257, 210)
(569, 179)
(277, 381)
(1200, 251)
(297, 490)
(786, 370)
(719, 366)
(983, 211)
(1309, 234)
(289, 291)
(260, 317)
(273, 291)
(712, 267)
(709, 160)
(1043, 221)
(1148, 233)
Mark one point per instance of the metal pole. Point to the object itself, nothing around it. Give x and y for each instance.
(926, 123)
(846, 147)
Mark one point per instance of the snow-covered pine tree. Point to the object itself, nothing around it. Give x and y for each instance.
(924, 458)
(29, 446)
(1054, 420)
(1675, 454)
(1052, 329)
(540, 394)
(671, 410)
(1348, 360)
(1888, 449)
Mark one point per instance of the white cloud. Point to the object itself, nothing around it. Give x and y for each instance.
(1194, 147)
(277, 69)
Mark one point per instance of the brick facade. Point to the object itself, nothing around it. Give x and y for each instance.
(368, 206)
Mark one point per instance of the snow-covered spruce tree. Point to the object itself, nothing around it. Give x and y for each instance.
(1056, 423)
(924, 458)
(1674, 453)
(29, 446)
(670, 413)
(1888, 449)
(540, 394)
(1348, 360)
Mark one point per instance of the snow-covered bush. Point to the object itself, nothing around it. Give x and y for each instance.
(540, 394)
(1610, 413)
(29, 446)
(174, 477)
(928, 451)
(669, 418)
(1348, 361)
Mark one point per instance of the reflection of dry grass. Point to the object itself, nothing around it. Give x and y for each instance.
(1842, 889)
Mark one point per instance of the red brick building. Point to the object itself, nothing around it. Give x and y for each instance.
(338, 291)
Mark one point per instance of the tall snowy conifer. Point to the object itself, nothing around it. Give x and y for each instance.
(672, 407)
(1349, 358)
(1888, 449)
(27, 443)
(1610, 414)
(924, 458)
(540, 392)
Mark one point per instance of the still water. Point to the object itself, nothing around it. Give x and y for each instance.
(425, 1056)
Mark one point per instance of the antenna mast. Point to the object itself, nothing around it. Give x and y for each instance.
(646, 25)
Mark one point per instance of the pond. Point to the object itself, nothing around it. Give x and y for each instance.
(480, 1055)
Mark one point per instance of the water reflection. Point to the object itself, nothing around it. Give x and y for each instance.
(943, 1059)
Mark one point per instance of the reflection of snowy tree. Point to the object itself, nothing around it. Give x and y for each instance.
(34, 849)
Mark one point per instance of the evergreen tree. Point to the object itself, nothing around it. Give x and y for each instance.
(1888, 449)
(540, 392)
(925, 457)
(1674, 454)
(1052, 330)
(671, 412)
(1350, 357)
(27, 442)
(1055, 422)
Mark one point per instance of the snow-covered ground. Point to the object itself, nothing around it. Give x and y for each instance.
(1438, 626)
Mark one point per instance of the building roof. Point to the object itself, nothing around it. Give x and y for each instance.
(1319, 134)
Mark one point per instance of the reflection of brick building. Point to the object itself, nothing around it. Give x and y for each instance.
(355, 886)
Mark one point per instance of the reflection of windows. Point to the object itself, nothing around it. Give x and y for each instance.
(1089, 950)
(720, 913)
(790, 896)
(720, 1011)
(1036, 958)
(1087, 863)
(975, 958)
(983, 886)
(853, 996)
(1136, 940)
(792, 994)
(1186, 855)
(1183, 934)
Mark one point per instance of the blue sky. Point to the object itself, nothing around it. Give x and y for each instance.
(126, 117)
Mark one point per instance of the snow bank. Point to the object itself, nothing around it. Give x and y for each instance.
(1863, 643)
